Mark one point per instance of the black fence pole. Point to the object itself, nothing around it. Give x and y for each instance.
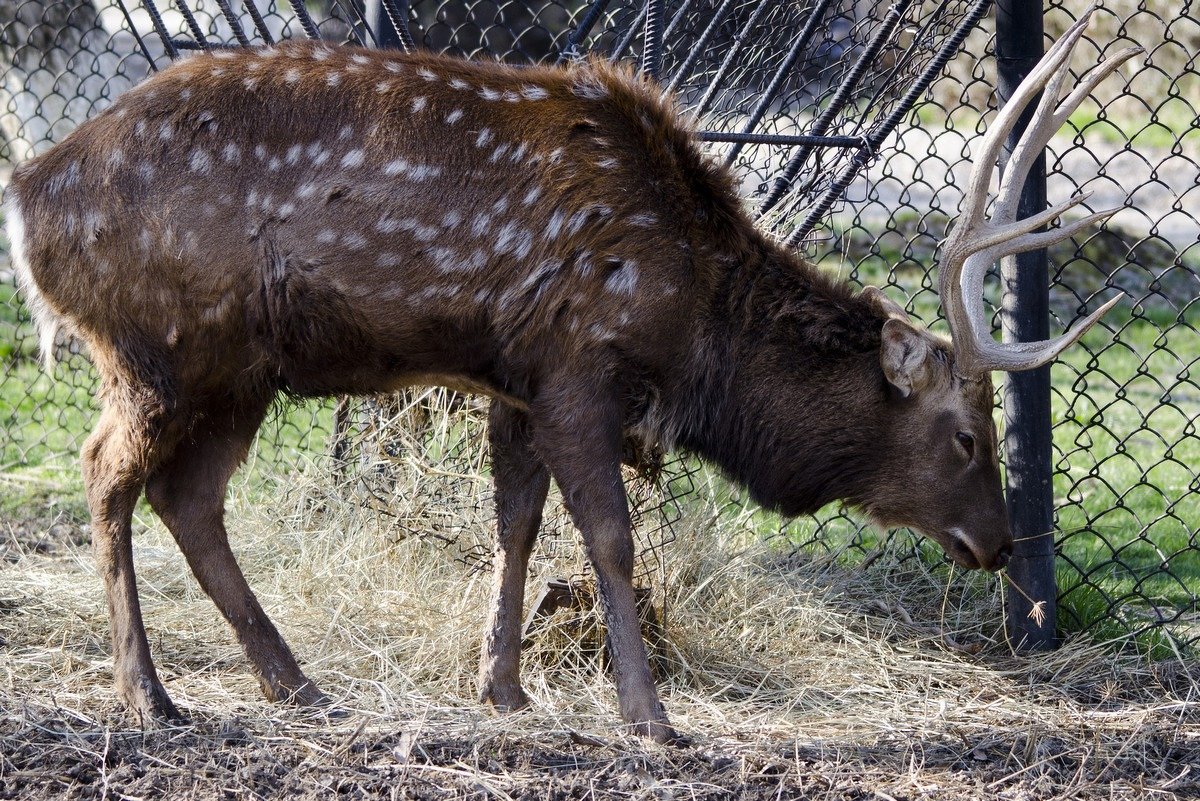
(386, 34)
(1026, 316)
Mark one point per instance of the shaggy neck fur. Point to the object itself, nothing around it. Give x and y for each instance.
(777, 322)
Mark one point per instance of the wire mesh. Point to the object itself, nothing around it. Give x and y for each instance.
(871, 201)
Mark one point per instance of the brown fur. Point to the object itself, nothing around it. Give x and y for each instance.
(312, 220)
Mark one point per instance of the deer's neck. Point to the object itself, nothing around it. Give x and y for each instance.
(789, 398)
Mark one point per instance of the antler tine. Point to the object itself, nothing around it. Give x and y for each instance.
(976, 242)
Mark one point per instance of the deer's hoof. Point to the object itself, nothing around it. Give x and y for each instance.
(297, 693)
(147, 701)
(504, 698)
(660, 732)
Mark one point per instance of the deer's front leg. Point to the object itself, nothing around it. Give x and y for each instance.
(521, 482)
(578, 434)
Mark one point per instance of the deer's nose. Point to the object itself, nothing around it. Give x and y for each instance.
(1002, 557)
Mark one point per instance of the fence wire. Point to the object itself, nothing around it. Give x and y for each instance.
(898, 91)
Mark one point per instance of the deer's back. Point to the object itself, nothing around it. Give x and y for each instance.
(346, 215)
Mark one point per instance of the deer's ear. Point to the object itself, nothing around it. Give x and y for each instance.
(905, 356)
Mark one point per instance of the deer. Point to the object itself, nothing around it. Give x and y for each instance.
(305, 220)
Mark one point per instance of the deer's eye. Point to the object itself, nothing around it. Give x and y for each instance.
(967, 442)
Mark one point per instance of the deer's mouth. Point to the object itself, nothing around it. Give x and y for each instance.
(956, 547)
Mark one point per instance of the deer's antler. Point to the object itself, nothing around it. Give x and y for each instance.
(977, 241)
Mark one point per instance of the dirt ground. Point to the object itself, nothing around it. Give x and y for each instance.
(861, 702)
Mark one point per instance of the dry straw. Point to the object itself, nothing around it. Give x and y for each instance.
(796, 676)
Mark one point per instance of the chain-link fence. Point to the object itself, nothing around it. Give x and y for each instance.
(895, 94)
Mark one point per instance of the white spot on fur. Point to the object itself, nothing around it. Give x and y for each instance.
(291, 76)
(424, 233)
(531, 196)
(383, 86)
(65, 179)
(485, 136)
(623, 280)
(327, 237)
(511, 96)
(346, 132)
(394, 66)
(333, 78)
(116, 157)
(480, 225)
(260, 151)
(577, 220)
(353, 159)
(518, 152)
(166, 131)
(418, 104)
(422, 172)
(200, 162)
(274, 164)
(459, 84)
(286, 210)
(387, 225)
(498, 153)
(512, 238)
(427, 74)
(454, 116)
(360, 59)
(608, 163)
(396, 167)
(534, 93)
(643, 220)
(584, 264)
(293, 154)
(435, 292)
(554, 226)
(445, 260)
(231, 153)
(451, 219)
(487, 93)
(321, 53)
(354, 241)
(476, 261)
(250, 83)
(386, 259)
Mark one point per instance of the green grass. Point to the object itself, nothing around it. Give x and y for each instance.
(1163, 124)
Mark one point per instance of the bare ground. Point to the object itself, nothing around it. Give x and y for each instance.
(794, 677)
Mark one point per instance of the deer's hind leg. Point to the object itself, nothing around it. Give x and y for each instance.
(188, 493)
(521, 482)
(134, 430)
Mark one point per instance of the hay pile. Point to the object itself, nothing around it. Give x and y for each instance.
(796, 677)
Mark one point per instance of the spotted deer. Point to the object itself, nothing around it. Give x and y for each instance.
(311, 220)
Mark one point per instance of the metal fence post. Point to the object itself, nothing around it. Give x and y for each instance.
(1026, 316)
(386, 34)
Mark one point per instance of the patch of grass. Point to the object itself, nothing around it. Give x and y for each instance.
(1086, 606)
(789, 672)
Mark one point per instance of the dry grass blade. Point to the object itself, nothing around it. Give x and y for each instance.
(788, 672)
(1037, 609)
